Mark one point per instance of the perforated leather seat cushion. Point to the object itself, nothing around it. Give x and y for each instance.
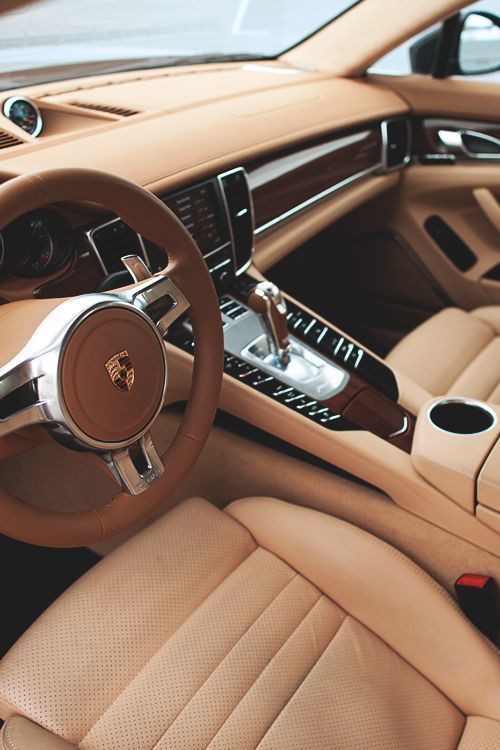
(454, 352)
(266, 626)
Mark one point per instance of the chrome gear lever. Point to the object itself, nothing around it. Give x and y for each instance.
(268, 302)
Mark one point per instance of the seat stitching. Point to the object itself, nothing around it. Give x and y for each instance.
(462, 732)
(302, 682)
(271, 660)
(152, 656)
(249, 627)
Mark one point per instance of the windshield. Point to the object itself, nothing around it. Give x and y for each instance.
(56, 39)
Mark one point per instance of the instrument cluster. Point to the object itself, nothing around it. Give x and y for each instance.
(35, 245)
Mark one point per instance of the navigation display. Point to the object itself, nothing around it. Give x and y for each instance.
(201, 213)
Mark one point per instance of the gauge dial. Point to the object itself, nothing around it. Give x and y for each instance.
(49, 243)
(24, 113)
(40, 248)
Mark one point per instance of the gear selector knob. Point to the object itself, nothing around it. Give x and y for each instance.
(267, 301)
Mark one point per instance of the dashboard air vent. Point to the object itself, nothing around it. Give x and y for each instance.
(396, 143)
(7, 140)
(239, 206)
(119, 111)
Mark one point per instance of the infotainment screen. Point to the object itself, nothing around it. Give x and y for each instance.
(202, 214)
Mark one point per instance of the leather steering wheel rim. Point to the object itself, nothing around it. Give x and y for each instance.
(149, 217)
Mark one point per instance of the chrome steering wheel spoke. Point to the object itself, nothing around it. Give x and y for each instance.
(156, 296)
(137, 466)
(21, 404)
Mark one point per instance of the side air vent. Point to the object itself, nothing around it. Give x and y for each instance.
(118, 111)
(7, 140)
(234, 186)
(396, 143)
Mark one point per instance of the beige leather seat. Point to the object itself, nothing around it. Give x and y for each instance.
(267, 626)
(454, 352)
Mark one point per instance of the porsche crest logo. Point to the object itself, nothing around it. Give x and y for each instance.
(121, 371)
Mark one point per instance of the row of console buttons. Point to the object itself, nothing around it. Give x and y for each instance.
(340, 349)
(269, 386)
(325, 339)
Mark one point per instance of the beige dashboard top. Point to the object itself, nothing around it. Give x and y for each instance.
(190, 121)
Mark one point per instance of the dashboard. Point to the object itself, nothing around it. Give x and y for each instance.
(50, 252)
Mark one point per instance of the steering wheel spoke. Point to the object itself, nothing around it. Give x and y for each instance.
(159, 298)
(137, 466)
(20, 403)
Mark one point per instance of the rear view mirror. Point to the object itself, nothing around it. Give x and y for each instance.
(479, 44)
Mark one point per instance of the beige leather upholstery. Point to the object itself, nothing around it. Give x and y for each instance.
(454, 352)
(269, 626)
(19, 733)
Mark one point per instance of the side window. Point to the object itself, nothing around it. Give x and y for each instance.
(477, 52)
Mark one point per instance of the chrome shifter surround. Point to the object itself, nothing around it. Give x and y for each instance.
(307, 371)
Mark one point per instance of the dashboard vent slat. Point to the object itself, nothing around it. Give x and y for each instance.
(7, 140)
(119, 111)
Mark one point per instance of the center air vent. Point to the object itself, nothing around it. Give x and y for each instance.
(118, 111)
(7, 140)
(396, 143)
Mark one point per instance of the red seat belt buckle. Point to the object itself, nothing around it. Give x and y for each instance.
(478, 596)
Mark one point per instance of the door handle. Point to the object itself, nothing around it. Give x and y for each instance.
(489, 205)
(473, 144)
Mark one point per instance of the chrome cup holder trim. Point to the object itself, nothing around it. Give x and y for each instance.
(463, 402)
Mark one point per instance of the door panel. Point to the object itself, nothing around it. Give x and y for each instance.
(448, 207)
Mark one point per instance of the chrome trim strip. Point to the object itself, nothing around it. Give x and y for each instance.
(220, 265)
(7, 106)
(318, 197)
(403, 428)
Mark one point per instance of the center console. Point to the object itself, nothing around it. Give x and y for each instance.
(328, 379)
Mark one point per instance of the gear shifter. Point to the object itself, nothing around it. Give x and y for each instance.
(268, 302)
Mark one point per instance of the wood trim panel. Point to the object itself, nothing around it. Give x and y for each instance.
(373, 411)
(294, 176)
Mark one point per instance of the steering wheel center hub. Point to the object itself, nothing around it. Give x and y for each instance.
(112, 375)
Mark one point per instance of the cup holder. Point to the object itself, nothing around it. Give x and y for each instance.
(462, 417)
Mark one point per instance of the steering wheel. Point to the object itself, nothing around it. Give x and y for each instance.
(93, 368)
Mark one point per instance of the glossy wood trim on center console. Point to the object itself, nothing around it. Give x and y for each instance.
(374, 412)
